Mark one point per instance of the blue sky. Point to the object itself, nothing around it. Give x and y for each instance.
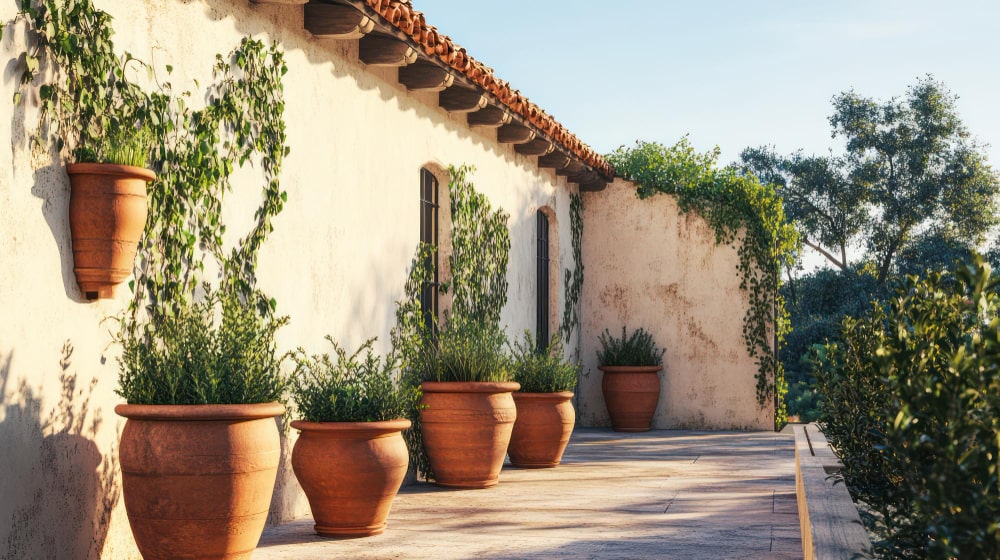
(729, 73)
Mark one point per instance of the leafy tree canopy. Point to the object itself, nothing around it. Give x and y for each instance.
(909, 169)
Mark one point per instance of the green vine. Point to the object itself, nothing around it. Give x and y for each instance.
(734, 205)
(573, 280)
(88, 94)
(480, 251)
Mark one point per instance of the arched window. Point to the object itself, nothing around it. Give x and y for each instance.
(542, 285)
(429, 235)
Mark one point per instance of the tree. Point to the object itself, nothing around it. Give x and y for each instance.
(909, 167)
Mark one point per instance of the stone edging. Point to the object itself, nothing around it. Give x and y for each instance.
(830, 523)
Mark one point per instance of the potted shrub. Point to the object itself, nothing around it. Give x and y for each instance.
(466, 411)
(350, 457)
(631, 384)
(200, 449)
(107, 208)
(545, 415)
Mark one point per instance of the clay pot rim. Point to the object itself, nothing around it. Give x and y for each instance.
(396, 425)
(193, 412)
(469, 386)
(110, 169)
(555, 396)
(630, 369)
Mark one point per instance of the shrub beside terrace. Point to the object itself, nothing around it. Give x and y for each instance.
(912, 397)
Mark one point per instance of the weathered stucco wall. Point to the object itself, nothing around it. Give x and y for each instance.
(336, 262)
(649, 266)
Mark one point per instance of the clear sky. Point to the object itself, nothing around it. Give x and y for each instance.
(732, 73)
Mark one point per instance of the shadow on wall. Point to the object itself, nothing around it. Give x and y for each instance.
(56, 490)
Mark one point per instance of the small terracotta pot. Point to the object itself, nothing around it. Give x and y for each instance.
(631, 394)
(466, 427)
(542, 430)
(107, 214)
(350, 471)
(197, 479)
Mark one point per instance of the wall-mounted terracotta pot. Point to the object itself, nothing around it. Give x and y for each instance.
(466, 427)
(197, 479)
(631, 394)
(542, 429)
(350, 471)
(107, 214)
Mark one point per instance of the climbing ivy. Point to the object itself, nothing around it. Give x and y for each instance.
(480, 251)
(736, 206)
(573, 281)
(89, 93)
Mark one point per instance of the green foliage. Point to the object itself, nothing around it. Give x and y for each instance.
(192, 357)
(927, 370)
(480, 244)
(736, 206)
(466, 350)
(573, 281)
(128, 146)
(350, 389)
(541, 369)
(637, 349)
(909, 166)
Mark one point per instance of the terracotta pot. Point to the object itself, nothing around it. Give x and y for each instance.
(107, 213)
(197, 479)
(466, 427)
(631, 394)
(544, 423)
(350, 471)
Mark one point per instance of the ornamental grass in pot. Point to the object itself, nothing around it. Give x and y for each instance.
(200, 449)
(631, 384)
(545, 415)
(467, 412)
(350, 457)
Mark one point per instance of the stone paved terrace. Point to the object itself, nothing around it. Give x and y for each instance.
(659, 494)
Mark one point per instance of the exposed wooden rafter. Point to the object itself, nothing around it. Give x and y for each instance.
(556, 160)
(424, 76)
(336, 21)
(594, 185)
(537, 147)
(574, 167)
(378, 49)
(489, 117)
(514, 133)
(461, 99)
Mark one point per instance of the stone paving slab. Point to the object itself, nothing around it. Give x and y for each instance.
(659, 494)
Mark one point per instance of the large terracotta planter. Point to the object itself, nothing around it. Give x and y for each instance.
(466, 427)
(542, 430)
(350, 471)
(197, 479)
(107, 213)
(631, 394)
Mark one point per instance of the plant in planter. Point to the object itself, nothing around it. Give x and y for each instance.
(545, 415)
(350, 457)
(200, 449)
(631, 384)
(467, 412)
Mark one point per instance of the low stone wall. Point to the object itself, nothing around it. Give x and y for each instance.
(830, 523)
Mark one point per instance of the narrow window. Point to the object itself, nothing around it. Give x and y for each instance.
(542, 316)
(429, 235)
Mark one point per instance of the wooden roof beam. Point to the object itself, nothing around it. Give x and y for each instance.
(593, 185)
(424, 76)
(574, 167)
(461, 100)
(555, 160)
(336, 21)
(489, 117)
(537, 147)
(514, 133)
(379, 49)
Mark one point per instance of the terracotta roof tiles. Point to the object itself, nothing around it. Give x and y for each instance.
(401, 15)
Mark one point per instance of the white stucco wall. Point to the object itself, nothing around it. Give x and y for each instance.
(336, 261)
(649, 266)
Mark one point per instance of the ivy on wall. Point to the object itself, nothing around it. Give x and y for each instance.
(89, 93)
(573, 280)
(735, 206)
